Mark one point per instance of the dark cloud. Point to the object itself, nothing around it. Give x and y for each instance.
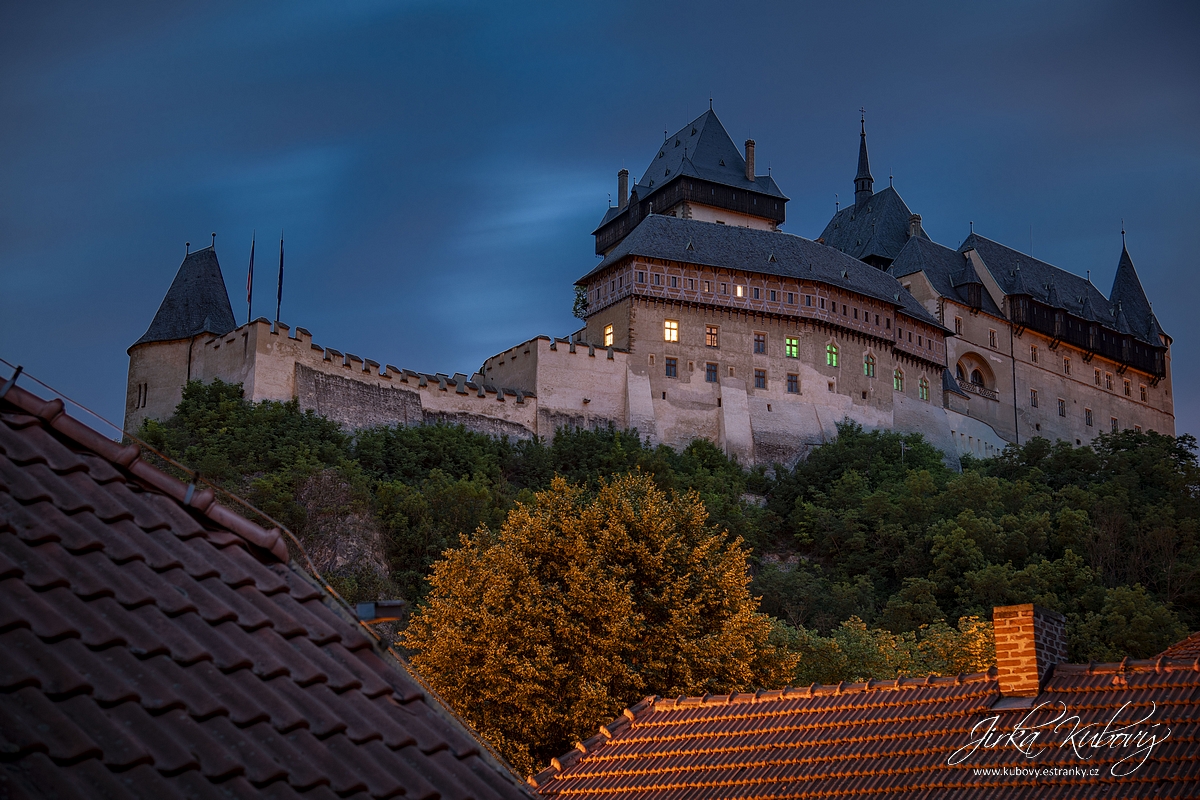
(438, 167)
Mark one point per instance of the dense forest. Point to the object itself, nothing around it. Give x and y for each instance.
(872, 555)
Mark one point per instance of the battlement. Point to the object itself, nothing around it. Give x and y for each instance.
(525, 364)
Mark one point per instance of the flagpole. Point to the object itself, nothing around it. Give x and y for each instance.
(250, 278)
(279, 296)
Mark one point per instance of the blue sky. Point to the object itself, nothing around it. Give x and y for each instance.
(438, 167)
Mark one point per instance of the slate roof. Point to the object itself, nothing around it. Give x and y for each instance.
(703, 149)
(876, 227)
(751, 250)
(1129, 297)
(155, 644)
(948, 270)
(1017, 272)
(880, 739)
(197, 302)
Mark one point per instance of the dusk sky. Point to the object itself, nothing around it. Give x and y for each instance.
(439, 167)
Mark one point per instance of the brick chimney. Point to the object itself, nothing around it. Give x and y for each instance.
(622, 188)
(1029, 641)
(750, 159)
(914, 225)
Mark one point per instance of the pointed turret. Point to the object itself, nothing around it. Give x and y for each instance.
(197, 302)
(1127, 293)
(863, 180)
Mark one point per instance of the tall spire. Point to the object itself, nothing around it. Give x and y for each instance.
(863, 180)
(1127, 293)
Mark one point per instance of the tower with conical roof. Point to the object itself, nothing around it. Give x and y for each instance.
(697, 173)
(160, 362)
(863, 182)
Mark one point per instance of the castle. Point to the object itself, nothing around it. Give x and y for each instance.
(703, 319)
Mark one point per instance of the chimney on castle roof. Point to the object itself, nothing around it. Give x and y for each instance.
(914, 225)
(750, 159)
(1030, 640)
(622, 188)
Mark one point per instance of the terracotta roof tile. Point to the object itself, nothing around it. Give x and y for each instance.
(151, 649)
(881, 738)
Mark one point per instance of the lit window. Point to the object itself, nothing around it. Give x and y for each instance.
(708, 286)
(1128, 388)
(1033, 353)
(671, 330)
(1066, 365)
(831, 355)
(760, 343)
(1087, 417)
(672, 368)
(760, 379)
(608, 335)
(1062, 407)
(869, 366)
(958, 326)
(710, 373)
(791, 346)
(1114, 425)
(711, 336)
(992, 339)
(793, 384)
(898, 380)
(923, 389)
(1108, 381)
(1033, 398)
(1143, 389)
(739, 290)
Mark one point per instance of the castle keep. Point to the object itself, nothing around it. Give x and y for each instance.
(704, 319)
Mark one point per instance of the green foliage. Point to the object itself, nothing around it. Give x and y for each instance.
(1106, 534)
(580, 307)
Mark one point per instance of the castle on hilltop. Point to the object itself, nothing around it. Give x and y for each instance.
(704, 320)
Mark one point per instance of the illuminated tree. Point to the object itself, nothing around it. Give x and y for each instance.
(580, 606)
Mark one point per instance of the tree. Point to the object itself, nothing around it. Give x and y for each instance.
(579, 606)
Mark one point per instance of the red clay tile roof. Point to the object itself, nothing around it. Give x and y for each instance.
(148, 649)
(1187, 648)
(884, 738)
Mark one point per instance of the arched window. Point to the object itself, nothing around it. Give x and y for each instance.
(958, 373)
(869, 365)
(831, 355)
(923, 388)
(977, 377)
(898, 380)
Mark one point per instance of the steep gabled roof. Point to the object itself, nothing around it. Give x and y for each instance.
(948, 271)
(713, 156)
(155, 644)
(197, 302)
(766, 252)
(877, 227)
(1130, 299)
(892, 739)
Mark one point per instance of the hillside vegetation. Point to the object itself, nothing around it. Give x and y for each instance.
(874, 561)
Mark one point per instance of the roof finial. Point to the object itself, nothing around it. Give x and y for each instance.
(890, 176)
(837, 206)
(187, 248)
(863, 119)
(710, 104)
(972, 224)
(214, 241)
(1122, 233)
